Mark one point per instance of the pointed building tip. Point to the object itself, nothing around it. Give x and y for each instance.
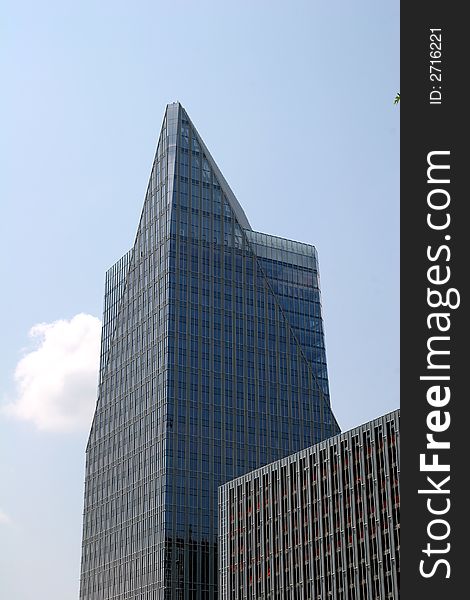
(175, 111)
(175, 103)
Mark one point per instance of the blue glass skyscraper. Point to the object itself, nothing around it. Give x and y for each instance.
(212, 364)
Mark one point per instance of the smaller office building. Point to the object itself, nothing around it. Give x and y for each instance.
(321, 523)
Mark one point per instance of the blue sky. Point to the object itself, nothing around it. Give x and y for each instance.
(294, 101)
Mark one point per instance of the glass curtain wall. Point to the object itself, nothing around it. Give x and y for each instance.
(213, 364)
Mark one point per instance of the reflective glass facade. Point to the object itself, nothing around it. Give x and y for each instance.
(322, 523)
(213, 364)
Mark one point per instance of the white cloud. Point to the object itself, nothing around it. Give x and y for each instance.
(56, 382)
(4, 518)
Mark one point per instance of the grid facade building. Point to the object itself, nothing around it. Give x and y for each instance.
(322, 523)
(212, 364)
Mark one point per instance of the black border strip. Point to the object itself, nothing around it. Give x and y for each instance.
(433, 119)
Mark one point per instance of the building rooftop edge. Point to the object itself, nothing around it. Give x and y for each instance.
(324, 443)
